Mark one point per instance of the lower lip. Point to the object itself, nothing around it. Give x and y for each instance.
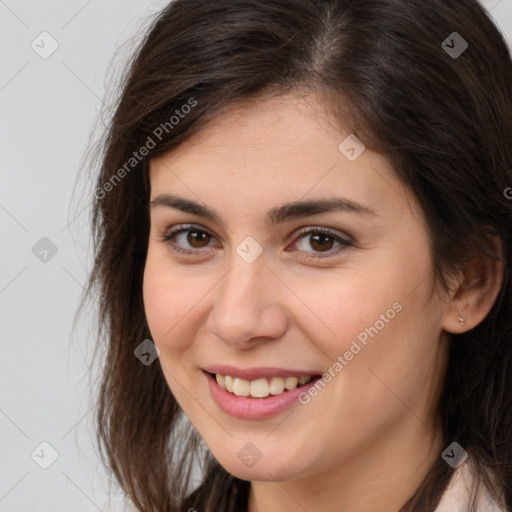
(248, 408)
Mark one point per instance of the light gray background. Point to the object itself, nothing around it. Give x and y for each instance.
(48, 108)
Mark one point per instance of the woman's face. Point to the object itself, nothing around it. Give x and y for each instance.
(263, 297)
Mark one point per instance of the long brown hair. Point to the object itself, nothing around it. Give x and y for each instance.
(443, 120)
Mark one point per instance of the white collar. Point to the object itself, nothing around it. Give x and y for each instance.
(457, 495)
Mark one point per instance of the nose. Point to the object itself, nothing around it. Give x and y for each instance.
(248, 309)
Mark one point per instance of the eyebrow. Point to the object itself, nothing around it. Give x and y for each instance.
(279, 214)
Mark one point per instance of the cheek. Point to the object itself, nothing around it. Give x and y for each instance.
(345, 306)
(165, 300)
(173, 303)
(166, 303)
(156, 298)
(382, 319)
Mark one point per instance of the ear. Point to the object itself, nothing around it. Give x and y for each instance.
(478, 286)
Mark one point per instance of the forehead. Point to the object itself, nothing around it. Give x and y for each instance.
(281, 148)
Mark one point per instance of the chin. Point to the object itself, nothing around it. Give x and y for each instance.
(266, 469)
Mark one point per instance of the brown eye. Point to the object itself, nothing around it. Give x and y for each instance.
(322, 240)
(187, 239)
(197, 238)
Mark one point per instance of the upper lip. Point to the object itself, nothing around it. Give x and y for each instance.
(256, 373)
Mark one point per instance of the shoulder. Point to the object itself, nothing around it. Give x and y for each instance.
(457, 496)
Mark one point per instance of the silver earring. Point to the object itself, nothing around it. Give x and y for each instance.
(460, 320)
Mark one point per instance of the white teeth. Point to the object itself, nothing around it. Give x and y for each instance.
(228, 382)
(276, 385)
(291, 383)
(241, 387)
(260, 388)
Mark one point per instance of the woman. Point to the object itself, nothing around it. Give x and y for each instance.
(303, 259)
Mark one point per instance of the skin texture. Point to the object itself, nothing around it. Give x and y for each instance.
(366, 441)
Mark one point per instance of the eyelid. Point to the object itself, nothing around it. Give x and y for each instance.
(343, 239)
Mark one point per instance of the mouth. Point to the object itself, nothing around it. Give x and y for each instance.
(262, 387)
(259, 393)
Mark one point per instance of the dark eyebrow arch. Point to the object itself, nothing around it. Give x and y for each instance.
(279, 214)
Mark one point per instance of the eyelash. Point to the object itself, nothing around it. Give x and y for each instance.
(168, 237)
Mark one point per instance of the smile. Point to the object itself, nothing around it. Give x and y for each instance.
(258, 393)
(260, 388)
